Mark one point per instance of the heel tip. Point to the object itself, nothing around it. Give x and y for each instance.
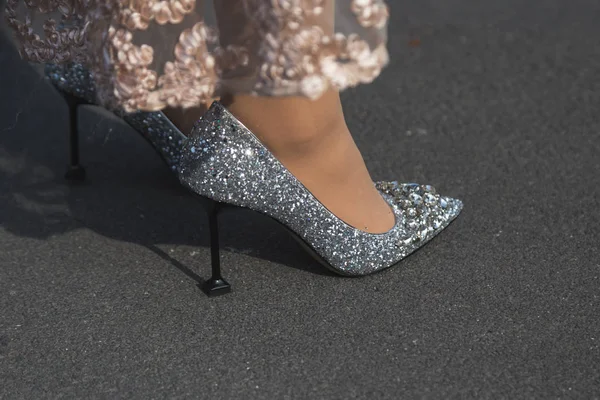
(216, 287)
(75, 173)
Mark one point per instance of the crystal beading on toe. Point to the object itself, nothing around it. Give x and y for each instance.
(424, 212)
(224, 161)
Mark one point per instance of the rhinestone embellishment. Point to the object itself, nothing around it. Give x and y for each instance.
(423, 209)
(229, 164)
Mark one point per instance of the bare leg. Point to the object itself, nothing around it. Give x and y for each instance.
(309, 137)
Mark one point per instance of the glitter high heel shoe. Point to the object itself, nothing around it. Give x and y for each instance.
(76, 85)
(226, 165)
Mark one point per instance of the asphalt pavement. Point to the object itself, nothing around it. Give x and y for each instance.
(496, 103)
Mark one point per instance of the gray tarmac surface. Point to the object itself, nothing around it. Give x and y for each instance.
(496, 103)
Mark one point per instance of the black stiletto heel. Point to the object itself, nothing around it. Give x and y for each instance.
(76, 84)
(216, 285)
(75, 172)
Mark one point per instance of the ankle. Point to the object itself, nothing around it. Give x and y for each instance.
(291, 125)
(184, 119)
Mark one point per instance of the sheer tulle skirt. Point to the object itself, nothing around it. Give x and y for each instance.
(150, 54)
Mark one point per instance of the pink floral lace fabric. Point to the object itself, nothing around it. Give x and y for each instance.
(150, 54)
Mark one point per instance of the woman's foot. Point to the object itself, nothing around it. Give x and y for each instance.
(184, 120)
(312, 140)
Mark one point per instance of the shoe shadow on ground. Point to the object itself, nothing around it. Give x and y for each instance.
(129, 194)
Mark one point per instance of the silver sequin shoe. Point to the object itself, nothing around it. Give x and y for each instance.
(76, 85)
(226, 165)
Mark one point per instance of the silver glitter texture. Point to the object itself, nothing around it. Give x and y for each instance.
(224, 161)
(155, 127)
(73, 79)
(160, 133)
